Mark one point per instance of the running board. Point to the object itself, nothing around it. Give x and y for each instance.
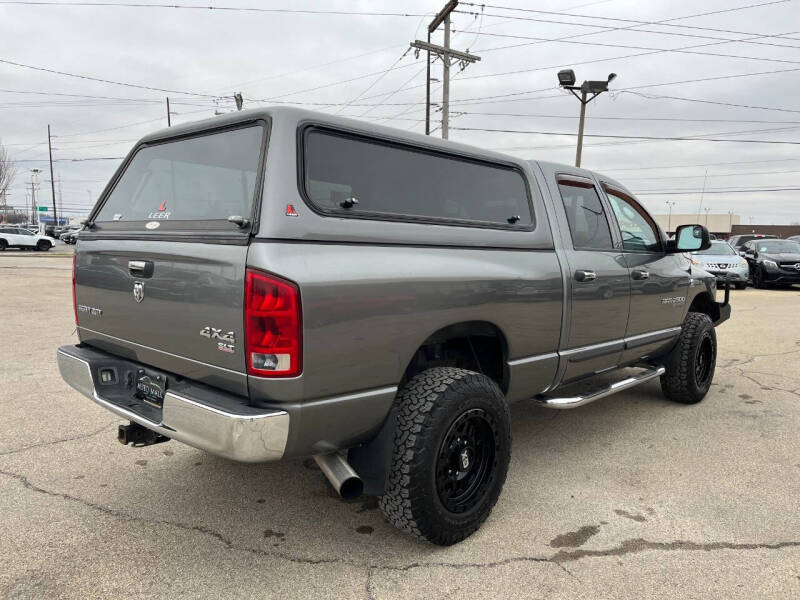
(576, 401)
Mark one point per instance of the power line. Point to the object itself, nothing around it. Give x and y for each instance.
(629, 119)
(374, 83)
(630, 47)
(739, 174)
(747, 191)
(684, 99)
(101, 80)
(666, 23)
(626, 137)
(218, 8)
(85, 159)
(714, 164)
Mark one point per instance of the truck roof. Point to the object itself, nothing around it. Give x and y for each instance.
(292, 116)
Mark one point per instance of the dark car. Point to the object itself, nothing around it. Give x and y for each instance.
(70, 236)
(737, 241)
(773, 262)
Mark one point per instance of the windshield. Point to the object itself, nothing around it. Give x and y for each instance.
(779, 247)
(205, 177)
(718, 249)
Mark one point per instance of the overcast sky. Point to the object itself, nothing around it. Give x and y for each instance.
(308, 58)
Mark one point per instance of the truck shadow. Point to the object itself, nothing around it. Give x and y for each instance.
(288, 509)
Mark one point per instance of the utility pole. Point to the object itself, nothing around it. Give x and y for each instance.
(706, 209)
(34, 186)
(670, 204)
(448, 57)
(52, 179)
(428, 88)
(566, 79)
(730, 222)
(237, 97)
(169, 118)
(702, 193)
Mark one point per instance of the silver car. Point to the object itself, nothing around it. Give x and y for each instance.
(723, 261)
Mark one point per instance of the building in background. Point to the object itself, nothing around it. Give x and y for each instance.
(718, 224)
(13, 216)
(782, 231)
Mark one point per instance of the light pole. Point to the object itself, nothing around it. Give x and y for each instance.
(670, 204)
(706, 209)
(566, 79)
(730, 222)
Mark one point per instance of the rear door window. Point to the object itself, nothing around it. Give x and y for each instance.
(588, 223)
(353, 176)
(206, 177)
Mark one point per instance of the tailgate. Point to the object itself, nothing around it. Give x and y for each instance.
(160, 270)
(181, 313)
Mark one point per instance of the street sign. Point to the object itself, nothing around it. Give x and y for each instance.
(43, 208)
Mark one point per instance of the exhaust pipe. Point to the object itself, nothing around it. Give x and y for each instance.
(341, 475)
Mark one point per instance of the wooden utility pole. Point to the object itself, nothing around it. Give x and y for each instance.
(52, 179)
(448, 57)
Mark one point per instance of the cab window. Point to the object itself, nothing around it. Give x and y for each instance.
(639, 231)
(588, 224)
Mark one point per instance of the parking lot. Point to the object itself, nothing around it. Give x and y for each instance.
(629, 497)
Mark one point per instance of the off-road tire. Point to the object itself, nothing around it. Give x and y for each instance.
(428, 407)
(683, 381)
(43, 246)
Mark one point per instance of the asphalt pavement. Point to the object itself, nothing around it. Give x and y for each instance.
(629, 497)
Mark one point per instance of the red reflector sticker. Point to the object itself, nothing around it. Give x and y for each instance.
(291, 211)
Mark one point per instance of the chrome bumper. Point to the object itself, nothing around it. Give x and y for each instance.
(252, 435)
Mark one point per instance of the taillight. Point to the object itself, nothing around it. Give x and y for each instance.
(74, 297)
(272, 330)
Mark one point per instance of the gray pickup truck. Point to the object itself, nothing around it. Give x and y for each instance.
(281, 283)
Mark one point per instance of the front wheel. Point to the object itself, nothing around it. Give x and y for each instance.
(758, 278)
(452, 446)
(691, 364)
(3, 245)
(741, 285)
(43, 246)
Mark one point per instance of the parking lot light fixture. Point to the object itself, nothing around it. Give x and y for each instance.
(566, 79)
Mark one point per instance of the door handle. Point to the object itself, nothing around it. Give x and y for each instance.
(584, 276)
(639, 275)
(141, 268)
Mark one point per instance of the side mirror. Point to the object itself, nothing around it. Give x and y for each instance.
(691, 238)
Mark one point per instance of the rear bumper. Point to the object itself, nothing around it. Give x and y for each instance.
(199, 416)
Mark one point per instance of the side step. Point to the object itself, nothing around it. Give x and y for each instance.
(576, 401)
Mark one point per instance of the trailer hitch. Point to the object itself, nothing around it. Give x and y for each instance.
(138, 436)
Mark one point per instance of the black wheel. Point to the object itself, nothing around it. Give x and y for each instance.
(3, 245)
(452, 446)
(741, 285)
(43, 245)
(690, 366)
(758, 278)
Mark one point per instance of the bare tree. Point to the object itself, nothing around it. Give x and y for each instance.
(7, 173)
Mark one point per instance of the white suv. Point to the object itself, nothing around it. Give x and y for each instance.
(19, 237)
